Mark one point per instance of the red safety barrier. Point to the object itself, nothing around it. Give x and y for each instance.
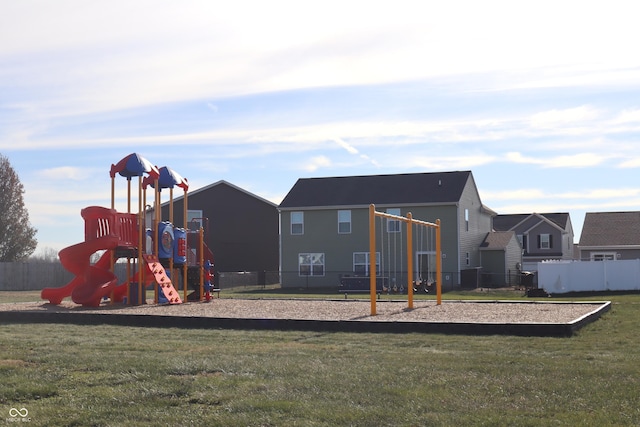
(100, 221)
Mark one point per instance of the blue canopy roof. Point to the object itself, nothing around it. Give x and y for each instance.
(134, 165)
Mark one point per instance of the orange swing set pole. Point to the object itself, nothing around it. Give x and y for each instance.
(201, 233)
(372, 256)
(438, 263)
(409, 260)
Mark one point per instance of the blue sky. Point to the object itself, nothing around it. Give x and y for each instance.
(540, 100)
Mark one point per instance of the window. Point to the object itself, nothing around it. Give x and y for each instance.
(297, 222)
(544, 241)
(194, 219)
(361, 263)
(311, 264)
(466, 219)
(344, 222)
(522, 238)
(603, 256)
(393, 225)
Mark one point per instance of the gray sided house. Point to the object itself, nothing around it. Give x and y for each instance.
(547, 236)
(324, 227)
(241, 229)
(501, 259)
(610, 236)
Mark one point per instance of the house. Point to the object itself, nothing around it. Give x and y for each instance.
(501, 259)
(241, 228)
(546, 236)
(325, 226)
(610, 236)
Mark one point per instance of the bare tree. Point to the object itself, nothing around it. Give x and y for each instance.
(46, 254)
(17, 236)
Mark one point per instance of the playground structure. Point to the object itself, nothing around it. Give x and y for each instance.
(426, 250)
(153, 255)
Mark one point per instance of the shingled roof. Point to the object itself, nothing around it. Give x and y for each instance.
(610, 229)
(507, 222)
(417, 188)
(497, 240)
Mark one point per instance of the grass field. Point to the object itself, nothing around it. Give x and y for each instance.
(110, 375)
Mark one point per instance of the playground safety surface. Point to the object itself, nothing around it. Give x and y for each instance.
(470, 317)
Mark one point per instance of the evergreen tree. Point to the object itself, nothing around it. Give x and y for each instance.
(17, 237)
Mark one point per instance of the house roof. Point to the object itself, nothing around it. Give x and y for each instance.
(497, 240)
(416, 188)
(507, 222)
(220, 183)
(610, 229)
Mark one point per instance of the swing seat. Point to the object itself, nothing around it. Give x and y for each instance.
(424, 285)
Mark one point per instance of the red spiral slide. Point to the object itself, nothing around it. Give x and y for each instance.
(91, 282)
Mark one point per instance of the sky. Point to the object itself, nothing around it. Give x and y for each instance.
(539, 99)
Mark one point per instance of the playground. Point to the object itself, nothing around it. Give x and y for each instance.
(174, 264)
(156, 252)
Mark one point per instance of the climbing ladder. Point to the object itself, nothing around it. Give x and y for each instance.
(161, 278)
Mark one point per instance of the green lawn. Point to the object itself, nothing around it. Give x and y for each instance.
(111, 375)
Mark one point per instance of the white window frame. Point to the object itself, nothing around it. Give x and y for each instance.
(393, 225)
(295, 221)
(545, 241)
(344, 221)
(365, 263)
(603, 256)
(466, 219)
(309, 264)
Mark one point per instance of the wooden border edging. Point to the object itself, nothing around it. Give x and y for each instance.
(190, 322)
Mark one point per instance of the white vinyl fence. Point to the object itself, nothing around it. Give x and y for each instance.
(559, 277)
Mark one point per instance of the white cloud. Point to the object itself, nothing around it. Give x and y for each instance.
(579, 160)
(519, 194)
(602, 193)
(558, 118)
(517, 157)
(563, 206)
(369, 160)
(628, 116)
(316, 163)
(159, 54)
(64, 173)
(633, 162)
(127, 54)
(439, 163)
(342, 143)
(538, 194)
